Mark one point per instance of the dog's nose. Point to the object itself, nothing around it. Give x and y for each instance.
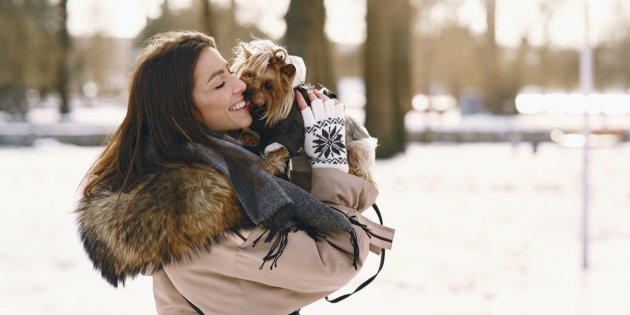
(248, 93)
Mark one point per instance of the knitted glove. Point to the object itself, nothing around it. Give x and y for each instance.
(325, 135)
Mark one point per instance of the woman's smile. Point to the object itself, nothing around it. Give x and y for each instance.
(241, 104)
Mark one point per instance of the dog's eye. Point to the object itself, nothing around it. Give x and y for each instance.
(268, 86)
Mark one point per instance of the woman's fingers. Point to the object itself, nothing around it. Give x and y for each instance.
(311, 96)
(339, 110)
(329, 106)
(301, 102)
(323, 107)
(307, 113)
(321, 95)
(318, 110)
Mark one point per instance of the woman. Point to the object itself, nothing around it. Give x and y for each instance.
(172, 196)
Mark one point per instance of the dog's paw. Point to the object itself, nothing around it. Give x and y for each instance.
(249, 137)
(276, 161)
(361, 158)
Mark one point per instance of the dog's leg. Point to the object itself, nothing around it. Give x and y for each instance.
(361, 158)
(276, 161)
(361, 150)
(249, 137)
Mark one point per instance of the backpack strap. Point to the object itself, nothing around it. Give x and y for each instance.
(368, 281)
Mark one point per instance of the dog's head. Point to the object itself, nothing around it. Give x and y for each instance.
(265, 68)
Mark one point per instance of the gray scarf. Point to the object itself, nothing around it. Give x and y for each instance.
(281, 206)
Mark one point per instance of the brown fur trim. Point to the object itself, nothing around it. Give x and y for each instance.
(175, 216)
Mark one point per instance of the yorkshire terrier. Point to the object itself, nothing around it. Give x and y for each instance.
(272, 80)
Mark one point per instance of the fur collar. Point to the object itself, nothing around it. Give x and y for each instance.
(176, 216)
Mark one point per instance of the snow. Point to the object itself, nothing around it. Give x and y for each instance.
(83, 120)
(454, 121)
(481, 229)
(105, 112)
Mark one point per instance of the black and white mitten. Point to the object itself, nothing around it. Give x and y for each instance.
(325, 133)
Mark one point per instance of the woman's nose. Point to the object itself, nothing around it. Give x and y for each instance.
(239, 87)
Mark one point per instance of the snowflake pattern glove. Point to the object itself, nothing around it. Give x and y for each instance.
(325, 135)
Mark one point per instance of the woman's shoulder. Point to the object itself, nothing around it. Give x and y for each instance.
(170, 216)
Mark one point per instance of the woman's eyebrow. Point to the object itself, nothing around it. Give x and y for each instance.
(214, 74)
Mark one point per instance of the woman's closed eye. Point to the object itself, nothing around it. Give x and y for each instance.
(223, 83)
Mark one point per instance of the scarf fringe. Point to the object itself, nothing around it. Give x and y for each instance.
(353, 235)
(276, 226)
(365, 228)
(277, 249)
(280, 244)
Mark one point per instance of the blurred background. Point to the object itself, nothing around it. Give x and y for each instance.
(485, 165)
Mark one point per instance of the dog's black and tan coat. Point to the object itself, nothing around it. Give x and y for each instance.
(174, 216)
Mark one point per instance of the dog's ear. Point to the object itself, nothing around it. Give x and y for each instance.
(289, 70)
(246, 52)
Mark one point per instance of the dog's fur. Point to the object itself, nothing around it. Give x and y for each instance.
(174, 217)
(262, 64)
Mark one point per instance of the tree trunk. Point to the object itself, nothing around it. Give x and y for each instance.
(12, 93)
(387, 76)
(64, 41)
(305, 38)
(491, 44)
(401, 65)
(208, 18)
(492, 82)
(499, 87)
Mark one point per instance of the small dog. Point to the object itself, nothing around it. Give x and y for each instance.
(271, 75)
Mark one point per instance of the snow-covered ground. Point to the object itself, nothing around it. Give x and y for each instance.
(481, 229)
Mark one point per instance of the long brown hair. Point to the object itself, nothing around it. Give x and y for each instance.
(161, 118)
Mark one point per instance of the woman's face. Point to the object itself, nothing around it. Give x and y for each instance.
(218, 95)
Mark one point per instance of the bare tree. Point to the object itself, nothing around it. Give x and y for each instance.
(29, 53)
(500, 88)
(216, 21)
(401, 65)
(491, 40)
(491, 75)
(305, 38)
(208, 18)
(231, 32)
(387, 73)
(64, 43)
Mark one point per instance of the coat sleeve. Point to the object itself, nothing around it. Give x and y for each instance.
(306, 272)
(307, 265)
(167, 299)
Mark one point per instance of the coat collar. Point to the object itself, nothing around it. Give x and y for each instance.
(174, 215)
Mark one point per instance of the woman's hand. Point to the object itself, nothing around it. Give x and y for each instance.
(325, 131)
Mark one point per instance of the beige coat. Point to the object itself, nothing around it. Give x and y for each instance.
(229, 281)
(187, 228)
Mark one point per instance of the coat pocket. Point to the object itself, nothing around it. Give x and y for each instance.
(240, 237)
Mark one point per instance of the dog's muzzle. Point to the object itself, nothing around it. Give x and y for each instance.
(248, 94)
